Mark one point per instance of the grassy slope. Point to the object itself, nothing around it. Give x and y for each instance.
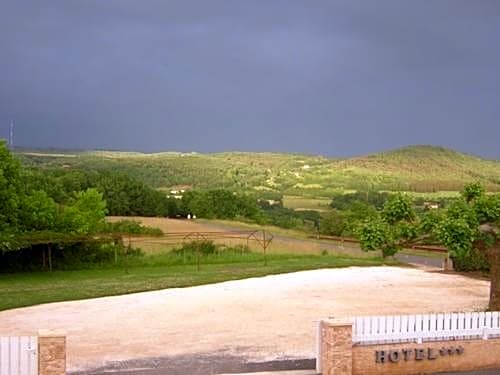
(418, 168)
(26, 289)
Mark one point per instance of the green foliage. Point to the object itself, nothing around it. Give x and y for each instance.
(487, 208)
(288, 218)
(457, 227)
(368, 198)
(457, 235)
(85, 214)
(131, 227)
(205, 247)
(377, 235)
(124, 195)
(395, 226)
(472, 260)
(429, 222)
(10, 187)
(38, 212)
(220, 204)
(333, 223)
(345, 223)
(417, 168)
(473, 191)
(71, 256)
(397, 208)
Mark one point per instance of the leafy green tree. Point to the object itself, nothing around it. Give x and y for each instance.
(38, 212)
(85, 214)
(472, 222)
(10, 189)
(333, 223)
(341, 201)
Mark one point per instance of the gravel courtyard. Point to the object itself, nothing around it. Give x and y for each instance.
(263, 319)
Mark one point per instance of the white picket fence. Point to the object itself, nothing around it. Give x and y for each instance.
(425, 327)
(18, 355)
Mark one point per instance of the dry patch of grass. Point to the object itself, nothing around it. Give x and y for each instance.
(302, 203)
(285, 241)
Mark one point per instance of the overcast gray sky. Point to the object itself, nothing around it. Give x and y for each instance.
(337, 78)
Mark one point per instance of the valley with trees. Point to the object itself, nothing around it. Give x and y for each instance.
(54, 206)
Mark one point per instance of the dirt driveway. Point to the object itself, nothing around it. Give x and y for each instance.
(262, 319)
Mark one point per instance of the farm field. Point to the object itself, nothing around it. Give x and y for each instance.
(303, 203)
(264, 318)
(285, 241)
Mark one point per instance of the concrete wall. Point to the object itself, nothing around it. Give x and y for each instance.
(339, 357)
(51, 352)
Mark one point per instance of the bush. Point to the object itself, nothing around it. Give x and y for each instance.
(473, 260)
(67, 257)
(198, 247)
(132, 227)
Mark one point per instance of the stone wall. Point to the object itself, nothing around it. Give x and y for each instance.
(336, 347)
(339, 357)
(51, 352)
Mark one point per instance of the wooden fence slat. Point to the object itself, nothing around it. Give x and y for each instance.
(367, 326)
(411, 325)
(468, 321)
(18, 355)
(14, 355)
(397, 324)
(389, 325)
(24, 356)
(4, 356)
(495, 319)
(382, 326)
(374, 325)
(34, 355)
(475, 321)
(404, 326)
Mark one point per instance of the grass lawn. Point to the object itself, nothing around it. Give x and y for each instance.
(31, 288)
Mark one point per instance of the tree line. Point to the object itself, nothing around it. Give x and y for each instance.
(45, 219)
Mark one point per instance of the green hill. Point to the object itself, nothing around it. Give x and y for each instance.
(413, 168)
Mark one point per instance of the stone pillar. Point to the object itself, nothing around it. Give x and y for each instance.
(336, 347)
(51, 352)
(448, 264)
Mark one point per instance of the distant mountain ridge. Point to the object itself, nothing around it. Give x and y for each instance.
(412, 168)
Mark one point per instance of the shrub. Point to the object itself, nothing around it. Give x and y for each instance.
(132, 227)
(204, 247)
(472, 260)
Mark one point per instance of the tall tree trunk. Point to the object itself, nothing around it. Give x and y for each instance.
(494, 258)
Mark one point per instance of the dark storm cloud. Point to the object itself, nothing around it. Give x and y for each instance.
(322, 77)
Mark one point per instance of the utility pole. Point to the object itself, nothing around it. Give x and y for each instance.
(11, 135)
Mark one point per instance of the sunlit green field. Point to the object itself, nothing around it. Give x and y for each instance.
(153, 273)
(303, 203)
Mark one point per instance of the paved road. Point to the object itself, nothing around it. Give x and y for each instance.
(420, 260)
(434, 262)
(205, 364)
(214, 364)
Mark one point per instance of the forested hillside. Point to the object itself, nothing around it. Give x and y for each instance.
(414, 168)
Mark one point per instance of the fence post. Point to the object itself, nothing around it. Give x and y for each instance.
(336, 347)
(51, 352)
